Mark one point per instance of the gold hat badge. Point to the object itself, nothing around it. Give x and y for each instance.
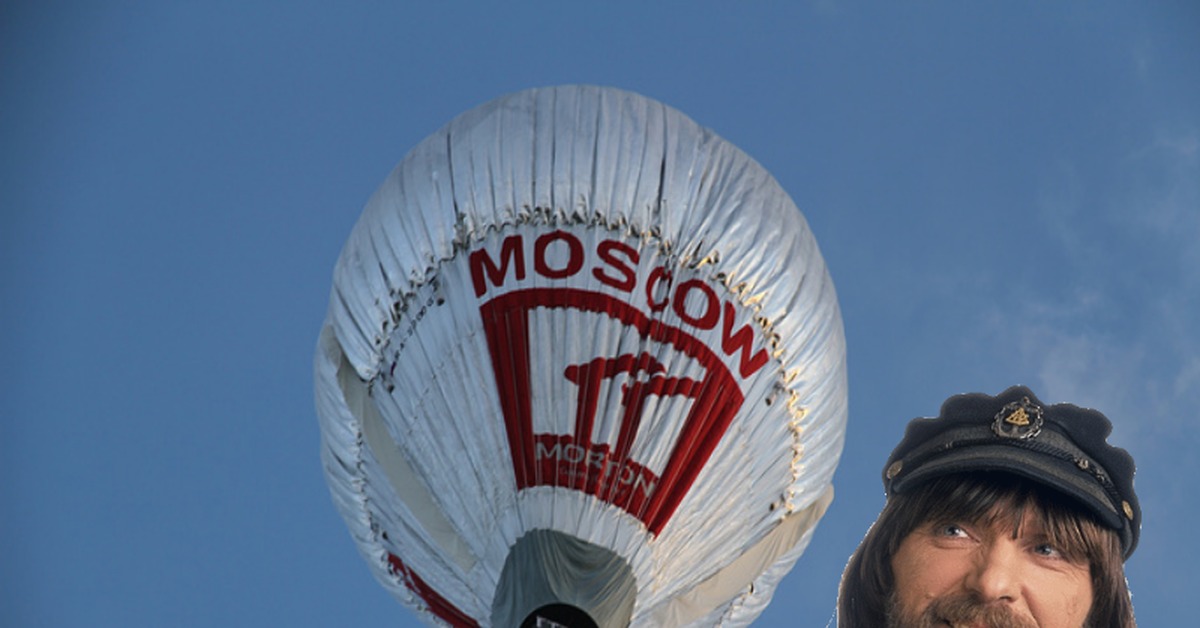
(1019, 419)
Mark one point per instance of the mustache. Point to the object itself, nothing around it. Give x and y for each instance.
(965, 610)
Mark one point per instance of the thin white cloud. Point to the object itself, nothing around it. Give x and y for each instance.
(1126, 338)
(1164, 187)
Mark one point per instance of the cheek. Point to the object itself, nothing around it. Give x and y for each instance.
(1062, 601)
(920, 575)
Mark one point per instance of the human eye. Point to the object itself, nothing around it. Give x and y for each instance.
(950, 530)
(1047, 550)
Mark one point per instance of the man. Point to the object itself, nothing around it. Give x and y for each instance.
(1001, 512)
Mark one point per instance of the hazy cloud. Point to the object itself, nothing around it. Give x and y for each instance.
(1125, 338)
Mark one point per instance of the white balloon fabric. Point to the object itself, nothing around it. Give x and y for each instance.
(582, 362)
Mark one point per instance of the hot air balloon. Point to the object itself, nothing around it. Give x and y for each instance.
(583, 365)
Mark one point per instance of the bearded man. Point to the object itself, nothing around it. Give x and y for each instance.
(1001, 512)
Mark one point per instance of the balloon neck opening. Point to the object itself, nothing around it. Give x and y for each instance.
(559, 616)
(552, 579)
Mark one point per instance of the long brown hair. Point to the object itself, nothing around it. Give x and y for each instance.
(868, 581)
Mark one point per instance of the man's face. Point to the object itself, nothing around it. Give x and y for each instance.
(976, 575)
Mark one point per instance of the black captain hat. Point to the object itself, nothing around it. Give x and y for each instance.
(1061, 446)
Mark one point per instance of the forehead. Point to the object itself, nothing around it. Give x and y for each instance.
(994, 499)
(973, 499)
(1019, 518)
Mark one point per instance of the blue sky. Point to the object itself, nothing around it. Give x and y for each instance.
(1004, 193)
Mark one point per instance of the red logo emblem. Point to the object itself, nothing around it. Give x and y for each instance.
(639, 395)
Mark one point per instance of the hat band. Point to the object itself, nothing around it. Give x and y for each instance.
(1048, 443)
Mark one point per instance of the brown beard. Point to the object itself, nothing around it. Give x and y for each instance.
(956, 609)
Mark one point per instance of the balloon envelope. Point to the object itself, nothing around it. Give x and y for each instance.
(582, 360)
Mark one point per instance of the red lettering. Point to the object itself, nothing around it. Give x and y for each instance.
(574, 255)
(481, 264)
(712, 311)
(744, 340)
(593, 469)
(560, 254)
(656, 275)
(606, 251)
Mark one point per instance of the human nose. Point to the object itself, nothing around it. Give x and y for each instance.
(996, 575)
